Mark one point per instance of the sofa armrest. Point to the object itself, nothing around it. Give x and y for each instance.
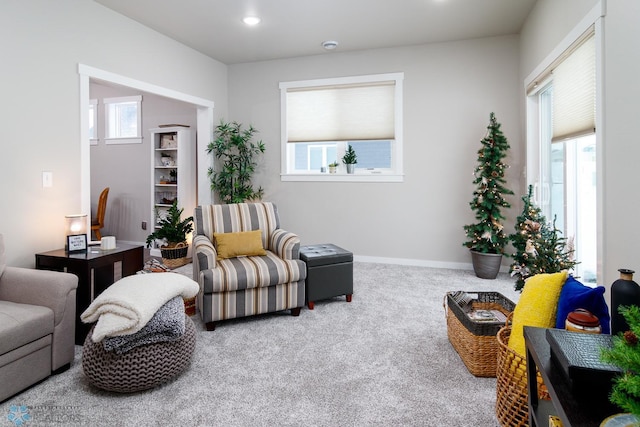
(204, 255)
(285, 244)
(38, 287)
(52, 289)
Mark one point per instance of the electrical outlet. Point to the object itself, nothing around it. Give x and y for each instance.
(144, 225)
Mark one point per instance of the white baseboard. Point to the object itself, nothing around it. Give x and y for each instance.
(420, 263)
(155, 252)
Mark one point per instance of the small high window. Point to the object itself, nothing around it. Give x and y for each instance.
(123, 121)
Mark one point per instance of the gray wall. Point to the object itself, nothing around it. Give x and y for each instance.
(42, 43)
(449, 91)
(450, 88)
(126, 168)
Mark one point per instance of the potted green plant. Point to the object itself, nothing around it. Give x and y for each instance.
(234, 147)
(487, 238)
(333, 167)
(350, 159)
(172, 236)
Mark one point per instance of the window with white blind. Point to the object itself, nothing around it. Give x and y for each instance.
(562, 101)
(322, 118)
(123, 120)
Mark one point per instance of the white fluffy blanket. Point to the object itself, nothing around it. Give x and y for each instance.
(127, 306)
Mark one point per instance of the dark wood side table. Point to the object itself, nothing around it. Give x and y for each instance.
(95, 270)
(572, 410)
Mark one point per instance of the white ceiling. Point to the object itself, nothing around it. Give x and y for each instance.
(291, 28)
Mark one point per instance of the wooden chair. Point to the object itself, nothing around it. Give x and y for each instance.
(98, 222)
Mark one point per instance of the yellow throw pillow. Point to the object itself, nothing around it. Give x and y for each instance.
(243, 243)
(537, 306)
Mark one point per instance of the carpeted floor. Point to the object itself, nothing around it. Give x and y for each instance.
(382, 360)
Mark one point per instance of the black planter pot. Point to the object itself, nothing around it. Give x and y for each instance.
(486, 266)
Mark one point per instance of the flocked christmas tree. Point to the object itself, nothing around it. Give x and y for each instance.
(625, 354)
(487, 235)
(538, 244)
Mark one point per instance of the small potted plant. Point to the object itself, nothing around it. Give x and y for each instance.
(333, 167)
(172, 236)
(350, 159)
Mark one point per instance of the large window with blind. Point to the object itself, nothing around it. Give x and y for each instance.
(322, 118)
(565, 96)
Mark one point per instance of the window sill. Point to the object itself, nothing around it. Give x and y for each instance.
(114, 141)
(341, 177)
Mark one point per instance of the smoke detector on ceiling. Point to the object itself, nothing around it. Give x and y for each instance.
(330, 44)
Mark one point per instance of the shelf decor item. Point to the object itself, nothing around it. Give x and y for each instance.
(233, 146)
(172, 234)
(624, 292)
(487, 235)
(333, 167)
(350, 159)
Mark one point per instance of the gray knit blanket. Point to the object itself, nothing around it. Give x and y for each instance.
(167, 324)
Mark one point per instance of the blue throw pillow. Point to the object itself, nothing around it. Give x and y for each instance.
(576, 295)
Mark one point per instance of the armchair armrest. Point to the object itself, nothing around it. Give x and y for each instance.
(285, 244)
(204, 255)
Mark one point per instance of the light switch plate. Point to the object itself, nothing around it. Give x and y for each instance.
(47, 179)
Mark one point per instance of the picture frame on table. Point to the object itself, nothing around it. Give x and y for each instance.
(76, 243)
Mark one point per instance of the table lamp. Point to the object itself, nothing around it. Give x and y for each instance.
(76, 233)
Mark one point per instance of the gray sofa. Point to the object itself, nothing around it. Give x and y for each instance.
(37, 325)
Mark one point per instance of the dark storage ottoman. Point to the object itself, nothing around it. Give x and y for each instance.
(329, 272)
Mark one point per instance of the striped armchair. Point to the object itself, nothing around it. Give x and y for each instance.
(246, 285)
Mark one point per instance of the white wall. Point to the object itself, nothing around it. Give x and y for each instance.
(449, 91)
(620, 142)
(42, 43)
(549, 22)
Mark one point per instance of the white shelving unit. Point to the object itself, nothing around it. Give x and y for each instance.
(173, 176)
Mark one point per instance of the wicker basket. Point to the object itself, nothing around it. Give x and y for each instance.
(475, 341)
(512, 408)
(175, 257)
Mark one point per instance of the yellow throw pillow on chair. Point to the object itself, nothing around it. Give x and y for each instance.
(243, 243)
(537, 306)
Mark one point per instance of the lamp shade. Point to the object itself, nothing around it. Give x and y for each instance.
(75, 224)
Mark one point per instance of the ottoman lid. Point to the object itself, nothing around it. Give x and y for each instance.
(324, 254)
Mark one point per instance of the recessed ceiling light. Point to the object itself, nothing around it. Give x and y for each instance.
(251, 20)
(330, 44)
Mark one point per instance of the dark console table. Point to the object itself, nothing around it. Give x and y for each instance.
(573, 410)
(95, 270)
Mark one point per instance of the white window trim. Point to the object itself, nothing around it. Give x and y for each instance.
(129, 140)
(396, 175)
(94, 140)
